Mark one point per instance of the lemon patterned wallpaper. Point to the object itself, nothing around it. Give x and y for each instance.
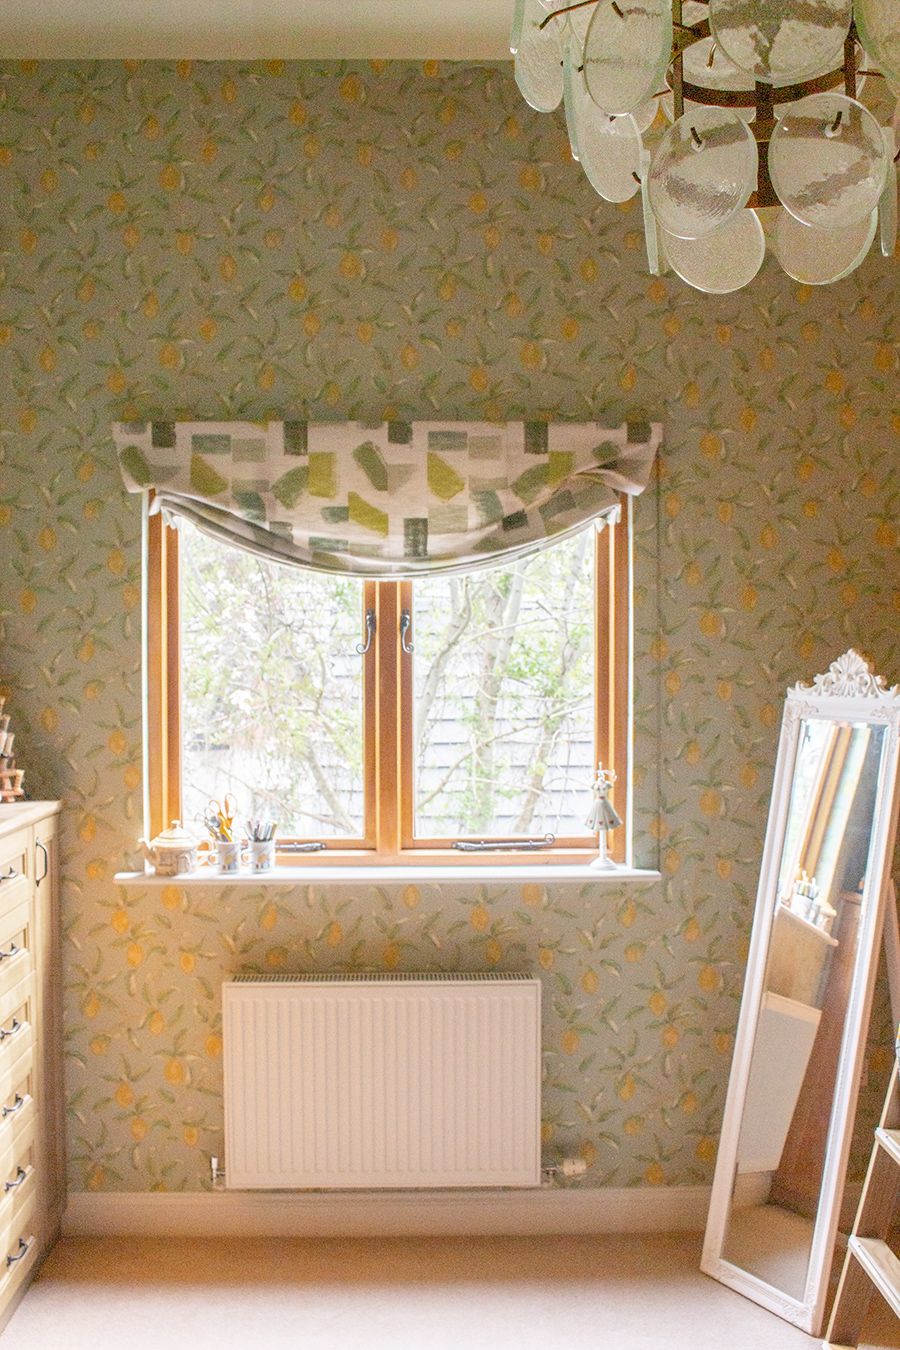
(394, 241)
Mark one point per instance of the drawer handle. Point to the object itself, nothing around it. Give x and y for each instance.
(21, 1250)
(43, 848)
(21, 1175)
(16, 1026)
(10, 875)
(18, 1103)
(13, 951)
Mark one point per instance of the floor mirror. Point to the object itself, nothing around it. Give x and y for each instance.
(825, 904)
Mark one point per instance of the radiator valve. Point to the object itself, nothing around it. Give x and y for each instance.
(567, 1168)
(216, 1174)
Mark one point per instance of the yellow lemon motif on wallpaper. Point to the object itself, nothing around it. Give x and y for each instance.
(95, 1178)
(570, 1041)
(99, 1045)
(689, 1103)
(91, 1004)
(411, 896)
(706, 1149)
(334, 934)
(691, 929)
(657, 1003)
(588, 1152)
(546, 958)
(276, 957)
(493, 952)
(390, 957)
(479, 918)
(139, 1128)
(188, 961)
(709, 979)
(156, 1023)
(174, 1071)
(120, 920)
(212, 1046)
(532, 894)
(632, 1125)
(655, 1174)
(191, 1135)
(590, 981)
(627, 1088)
(268, 918)
(135, 955)
(124, 1095)
(49, 719)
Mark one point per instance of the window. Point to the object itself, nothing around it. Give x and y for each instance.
(477, 713)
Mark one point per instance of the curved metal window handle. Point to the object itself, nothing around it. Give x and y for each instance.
(13, 951)
(22, 1250)
(371, 624)
(43, 848)
(18, 1104)
(405, 625)
(16, 1026)
(10, 875)
(21, 1176)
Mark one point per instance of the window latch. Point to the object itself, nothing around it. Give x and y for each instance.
(405, 624)
(371, 625)
(299, 848)
(503, 845)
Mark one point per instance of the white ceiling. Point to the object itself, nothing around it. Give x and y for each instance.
(246, 29)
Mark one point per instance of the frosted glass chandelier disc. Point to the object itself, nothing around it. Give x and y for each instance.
(887, 203)
(818, 257)
(878, 25)
(626, 52)
(703, 172)
(781, 41)
(827, 161)
(609, 148)
(537, 56)
(722, 261)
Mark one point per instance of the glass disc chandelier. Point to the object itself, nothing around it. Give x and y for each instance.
(740, 123)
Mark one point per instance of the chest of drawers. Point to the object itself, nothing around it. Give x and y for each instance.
(32, 1177)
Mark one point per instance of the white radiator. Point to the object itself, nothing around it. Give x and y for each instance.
(382, 1081)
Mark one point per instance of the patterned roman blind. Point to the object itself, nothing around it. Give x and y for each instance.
(391, 500)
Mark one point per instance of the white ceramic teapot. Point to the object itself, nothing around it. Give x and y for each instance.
(172, 851)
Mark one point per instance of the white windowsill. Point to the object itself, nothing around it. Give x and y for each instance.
(373, 875)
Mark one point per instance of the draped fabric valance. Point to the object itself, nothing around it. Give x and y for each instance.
(391, 500)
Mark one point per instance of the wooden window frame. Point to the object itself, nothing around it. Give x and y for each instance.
(388, 722)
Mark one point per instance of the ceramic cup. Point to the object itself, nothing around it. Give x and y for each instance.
(228, 856)
(262, 855)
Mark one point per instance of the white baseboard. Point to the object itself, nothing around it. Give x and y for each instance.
(659, 1209)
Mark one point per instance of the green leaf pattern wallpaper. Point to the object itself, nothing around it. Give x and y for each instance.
(399, 241)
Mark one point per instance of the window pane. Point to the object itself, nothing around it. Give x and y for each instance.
(271, 690)
(504, 688)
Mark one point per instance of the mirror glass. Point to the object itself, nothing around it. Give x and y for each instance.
(818, 910)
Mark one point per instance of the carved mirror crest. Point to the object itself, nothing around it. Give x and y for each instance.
(824, 902)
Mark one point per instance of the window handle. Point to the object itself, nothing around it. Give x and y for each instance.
(502, 845)
(405, 625)
(371, 625)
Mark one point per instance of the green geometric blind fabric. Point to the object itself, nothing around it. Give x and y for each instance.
(392, 500)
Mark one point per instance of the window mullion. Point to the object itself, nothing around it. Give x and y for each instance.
(387, 719)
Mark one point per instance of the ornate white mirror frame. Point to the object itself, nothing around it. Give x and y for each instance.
(849, 694)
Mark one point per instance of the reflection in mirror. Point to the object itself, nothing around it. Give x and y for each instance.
(818, 910)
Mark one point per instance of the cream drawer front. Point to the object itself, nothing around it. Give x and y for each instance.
(16, 942)
(16, 1066)
(16, 867)
(14, 891)
(18, 1209)
(17, 1259)
(17, 1134)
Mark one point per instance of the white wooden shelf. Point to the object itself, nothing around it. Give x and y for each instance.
(881, 1266)
(498, 874)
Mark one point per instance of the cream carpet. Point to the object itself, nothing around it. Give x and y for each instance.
(404, 1294)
